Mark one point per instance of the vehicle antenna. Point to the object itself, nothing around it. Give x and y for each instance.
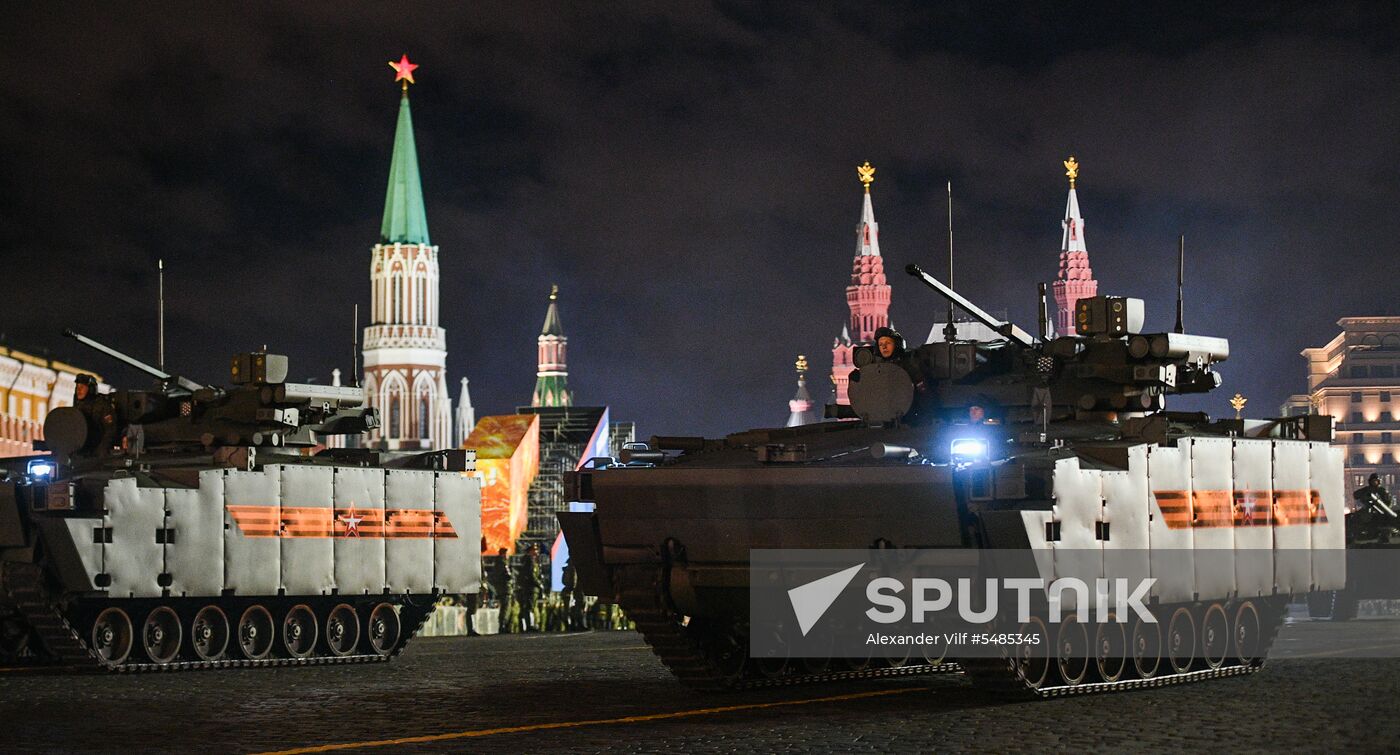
(160, 314)
(1044, 313)
(355, 348)
(950, 330)
(1180, 278)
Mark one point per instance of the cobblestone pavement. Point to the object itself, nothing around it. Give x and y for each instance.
(1303, 701)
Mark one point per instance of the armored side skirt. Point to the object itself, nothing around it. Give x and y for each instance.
(289, 529)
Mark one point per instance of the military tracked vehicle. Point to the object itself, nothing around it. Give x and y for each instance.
(1055, 446)
(191, 526)
(1373, 537)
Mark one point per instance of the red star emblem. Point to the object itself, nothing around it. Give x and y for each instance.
(403, 70)
(351, 522)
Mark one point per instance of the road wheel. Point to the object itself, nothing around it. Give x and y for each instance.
(112, 636)
(1215, 636)
(209, 633)
(1072, 651)
(775, 662)
(1248, 633)
(255, 633)
(1181, 640)
(161, 635)
(299, 631)
(1033, 659)
(342, 630)
(1111, 649)
(1147, 647)
(384, 629)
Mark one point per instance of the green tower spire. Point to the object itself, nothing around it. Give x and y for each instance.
(405, 222)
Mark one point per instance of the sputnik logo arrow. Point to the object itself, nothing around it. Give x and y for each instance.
(810, 601)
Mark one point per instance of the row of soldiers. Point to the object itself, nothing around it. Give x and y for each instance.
(525, 605)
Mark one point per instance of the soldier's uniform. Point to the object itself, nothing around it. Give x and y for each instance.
(527, 589)
(502, 584)
(573, 604)
(1375, 515)
(101, 414)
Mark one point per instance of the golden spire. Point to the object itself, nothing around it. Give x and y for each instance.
(1071, 170)
(867, 175)
(801, 364)
(1238, 402)
(554, 292)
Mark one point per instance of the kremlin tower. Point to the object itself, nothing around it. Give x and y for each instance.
(868, 296)
(1076, 278)
(552, 374)
(405, 350)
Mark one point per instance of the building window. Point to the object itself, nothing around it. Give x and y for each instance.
(1358, 460)
(1357, 372)
(395, 414)
(424, 418)
(1356, 397)
(1385, 395)
(1387, 458)
(1383, 371)
(1356, 417)
(1385, 438)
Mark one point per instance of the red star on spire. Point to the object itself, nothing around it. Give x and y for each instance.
(403, 71)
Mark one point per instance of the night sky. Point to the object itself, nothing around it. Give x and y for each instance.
(686, 174)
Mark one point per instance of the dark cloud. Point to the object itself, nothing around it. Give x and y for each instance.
(685, 173)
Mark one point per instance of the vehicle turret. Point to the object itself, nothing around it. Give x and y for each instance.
(261, 409)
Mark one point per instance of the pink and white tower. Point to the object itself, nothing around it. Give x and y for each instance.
(868, 296)
(1076, 278)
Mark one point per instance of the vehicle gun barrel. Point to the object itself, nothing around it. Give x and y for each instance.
(1010, 330)
(130, 361)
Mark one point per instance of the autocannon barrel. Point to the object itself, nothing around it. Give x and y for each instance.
(130, 361)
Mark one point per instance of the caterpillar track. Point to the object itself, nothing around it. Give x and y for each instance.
(1010, 676)
(701, 657)
(62, 644)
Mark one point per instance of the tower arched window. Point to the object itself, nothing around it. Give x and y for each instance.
(424, 417)
(394, 305)
(395, 414)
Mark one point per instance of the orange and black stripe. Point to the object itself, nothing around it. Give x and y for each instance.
(1182, 509)
(321, 522)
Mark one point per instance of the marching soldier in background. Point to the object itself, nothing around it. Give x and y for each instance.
(573, 603)
(527, 588)
(502, 584)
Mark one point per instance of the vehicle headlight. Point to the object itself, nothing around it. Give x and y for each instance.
(969, 448)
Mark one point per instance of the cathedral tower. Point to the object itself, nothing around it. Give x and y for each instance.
(552, 375)
(405, 350)
(868, 295)
(1076, 278)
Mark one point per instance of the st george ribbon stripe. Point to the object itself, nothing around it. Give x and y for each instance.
(1183, 509)
(352, 522)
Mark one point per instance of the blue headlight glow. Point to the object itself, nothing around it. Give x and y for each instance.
(969, 448)
(41, 469)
